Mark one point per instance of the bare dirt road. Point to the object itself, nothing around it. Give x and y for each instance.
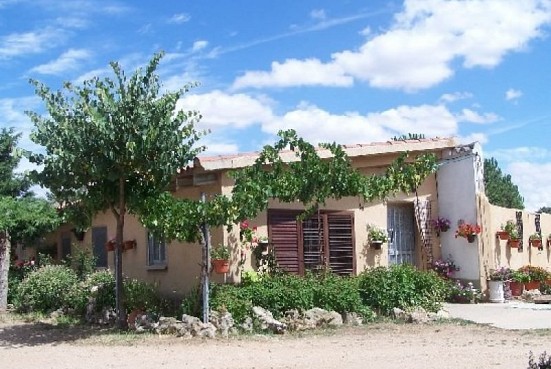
(438, 345)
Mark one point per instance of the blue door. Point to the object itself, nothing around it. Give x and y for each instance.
(401, 227)
(99, 239)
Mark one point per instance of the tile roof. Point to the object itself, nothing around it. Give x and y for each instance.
(234, 161)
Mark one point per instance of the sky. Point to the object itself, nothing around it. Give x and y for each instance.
(346, 71)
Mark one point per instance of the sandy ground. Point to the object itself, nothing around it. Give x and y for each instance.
(438, 345)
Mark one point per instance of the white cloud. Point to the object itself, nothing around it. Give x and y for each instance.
(215, 146)
(317, 125)
(426, 38)
(522, 153)
(473, 137)
(471, 116)
(179, 18)
(295, 72)
(67, 61)
(452, 97)
(318, 14)
(512, 94)
(533, 181)
(16, 44)
(220, 109)
(199, 45)
(13, 115)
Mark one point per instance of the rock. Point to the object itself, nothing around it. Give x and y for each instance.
(267, 321)
(196, 328)
(169, 325)
(418, 315)
(318, 317)
(352, 319)
(247, 324)
(223, 321)
(399, 314)
(145, 323)
(529, 295)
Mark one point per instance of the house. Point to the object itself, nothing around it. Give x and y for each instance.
(336, 236)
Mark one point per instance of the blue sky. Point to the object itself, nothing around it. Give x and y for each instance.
(345, 71)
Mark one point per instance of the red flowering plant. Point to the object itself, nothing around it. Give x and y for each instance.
(466, 229)
(248, 238)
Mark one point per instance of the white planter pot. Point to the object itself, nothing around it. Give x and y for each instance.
(496, 291)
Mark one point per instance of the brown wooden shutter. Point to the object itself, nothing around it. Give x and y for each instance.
(341, 243)
(283, 233)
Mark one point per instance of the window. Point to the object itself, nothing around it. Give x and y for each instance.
(156, 250)
(324, 240)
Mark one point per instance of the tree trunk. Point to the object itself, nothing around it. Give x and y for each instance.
(119, 291)
(5, 249)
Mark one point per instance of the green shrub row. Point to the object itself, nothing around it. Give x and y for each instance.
(54, 287)
(378, 289)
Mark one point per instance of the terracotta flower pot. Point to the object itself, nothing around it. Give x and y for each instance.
(532, 285)
(221, 266)
(471, 238)
(516, 288)
(110, 245)
(129, 244)
(503, 235)
(535, 243)
(514, 243)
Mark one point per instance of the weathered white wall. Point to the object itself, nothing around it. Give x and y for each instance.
(458, 180)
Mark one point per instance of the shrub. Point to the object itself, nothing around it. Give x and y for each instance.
(543, 363)
(100, 285)
(402, 286)
(341, 294)
(192, 303)
(82, 261)
(141, 295)
(46, 289)
(234, 299)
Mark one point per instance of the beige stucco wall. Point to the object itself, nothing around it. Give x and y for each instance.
(495, 252)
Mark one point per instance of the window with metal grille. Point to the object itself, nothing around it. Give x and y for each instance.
(156, 250)
(325, 240)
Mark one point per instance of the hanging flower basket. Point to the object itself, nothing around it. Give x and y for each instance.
(376, 245)
(468, 231)
(471, 238)
(514, 242)
(129, 245)
(503, 235)
(110, 245)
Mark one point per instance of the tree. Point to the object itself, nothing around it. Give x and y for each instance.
(22, 217)
(112, 143)
(500, 189)
(544, 209)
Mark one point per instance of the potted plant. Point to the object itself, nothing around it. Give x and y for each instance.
(128, 245)
(376, 236)
(514, 238)
(263, 242)
(536, 274)
(506, 228)
(468, 231)
(110, 245)
(440, 224)
(518, 279)
(220, 258)
(535, 239)
(496, 280)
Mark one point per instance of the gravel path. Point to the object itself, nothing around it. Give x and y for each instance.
(439, 345)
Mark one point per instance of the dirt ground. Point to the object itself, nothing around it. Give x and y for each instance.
(385, 345)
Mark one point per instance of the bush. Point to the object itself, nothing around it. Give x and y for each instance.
(234, 299)
(142, 296)
(82, 261)
(46, 289)
(402, 286)
(100, 285)
(543, 363)
(341, 294)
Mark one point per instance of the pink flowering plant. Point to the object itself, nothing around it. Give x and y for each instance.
(500, 274)
(444, 268)
(466, 229)
(440, 224)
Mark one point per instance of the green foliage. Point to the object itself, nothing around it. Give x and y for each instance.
(409, 136)
(220, 252)
(46, 289)
(402, 286)
(100, 285)
(341, 294)
(142, 296)
(192, 302)
(11, 184)
(375, 234)
(82, 260)
(282, 292)
(544, 361)
(544, 209)
(235, 299)
(500, 189)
